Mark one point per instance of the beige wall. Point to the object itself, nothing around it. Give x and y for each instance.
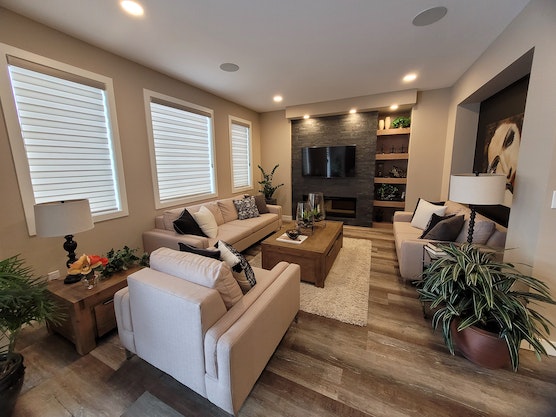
(532, 225)
(46, 254)
(276, 148)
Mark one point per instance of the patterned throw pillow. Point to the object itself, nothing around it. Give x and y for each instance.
(246, 208)
(241, 270)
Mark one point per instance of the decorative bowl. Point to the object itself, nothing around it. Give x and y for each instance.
(292, 233)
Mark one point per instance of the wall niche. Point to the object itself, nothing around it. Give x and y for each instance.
(357, 129)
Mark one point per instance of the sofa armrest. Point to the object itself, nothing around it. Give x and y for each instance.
(403, 216)
(272, 208)
(246, 346)
(160, 238)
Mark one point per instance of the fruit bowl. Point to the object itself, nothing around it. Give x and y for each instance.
(293, 234)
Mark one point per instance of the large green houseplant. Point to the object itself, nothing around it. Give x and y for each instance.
(267, 188)
(469, 287)
(24, 300)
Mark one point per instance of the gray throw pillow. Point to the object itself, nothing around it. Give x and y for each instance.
(446, 230)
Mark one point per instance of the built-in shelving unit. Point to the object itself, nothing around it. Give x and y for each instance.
(391, 159)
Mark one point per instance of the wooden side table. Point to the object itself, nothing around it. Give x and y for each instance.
(89, 313)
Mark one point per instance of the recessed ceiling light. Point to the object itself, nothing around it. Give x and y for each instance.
(394, 107)
(430, 16)
(352, 111)
(306, 116)
(132, 7)
(229, 67)
(409, 77)
(277, 98)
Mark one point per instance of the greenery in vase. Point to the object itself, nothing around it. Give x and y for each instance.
(469, 285)
(24, 299)
(401, 121)
(123, 259)
(267, 188)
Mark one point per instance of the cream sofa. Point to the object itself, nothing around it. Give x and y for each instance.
(183, 328)
(409, 246)
(239, 233)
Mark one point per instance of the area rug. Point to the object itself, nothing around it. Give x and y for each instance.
(345, 296)
(147, 405)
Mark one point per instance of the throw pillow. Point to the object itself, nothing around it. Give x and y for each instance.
(186, 225)
(261, 204)
(246, 208)
(435, 219)
(228, 209)
(482, 231)
(241, 270)
(206, 222)
(447, 229)
(215, 254)
(424, 212)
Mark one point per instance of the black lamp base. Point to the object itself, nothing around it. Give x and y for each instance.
(72, 279)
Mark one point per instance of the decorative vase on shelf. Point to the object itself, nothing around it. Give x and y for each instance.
(387, 123)
(381, 124)
(316, 205)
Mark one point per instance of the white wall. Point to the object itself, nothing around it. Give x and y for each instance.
(532, 225)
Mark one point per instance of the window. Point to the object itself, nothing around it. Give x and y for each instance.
(181, 145)
(240, 144)
(63, 134)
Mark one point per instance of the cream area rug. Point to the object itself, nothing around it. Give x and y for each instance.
(345, 296)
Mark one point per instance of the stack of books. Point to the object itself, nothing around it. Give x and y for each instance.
(434, 251)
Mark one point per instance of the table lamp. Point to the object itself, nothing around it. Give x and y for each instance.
(475, 190)
(64, 218)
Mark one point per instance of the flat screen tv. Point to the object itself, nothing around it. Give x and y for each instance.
(328, 161)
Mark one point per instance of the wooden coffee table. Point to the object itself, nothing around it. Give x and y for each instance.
(89, 313)
(315, 255)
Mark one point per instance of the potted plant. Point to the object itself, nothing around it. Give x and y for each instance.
(401, 121)
(268, 189)
(476, 296)
(24, 299)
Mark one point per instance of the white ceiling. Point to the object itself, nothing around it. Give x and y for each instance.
(306, 50)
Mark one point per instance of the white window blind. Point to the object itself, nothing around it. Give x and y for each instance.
(66, 131)
(182, 143)
(240, 137)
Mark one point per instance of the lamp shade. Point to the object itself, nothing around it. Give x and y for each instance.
(482, 189)
(61, 218)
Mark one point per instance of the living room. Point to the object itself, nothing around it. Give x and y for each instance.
(443, 135)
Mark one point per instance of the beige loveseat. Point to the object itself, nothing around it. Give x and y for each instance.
(174, 315)
(409, 246)
(239, 233)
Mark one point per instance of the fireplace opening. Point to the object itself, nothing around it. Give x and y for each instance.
(339, 206)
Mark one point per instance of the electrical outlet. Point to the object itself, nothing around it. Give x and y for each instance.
(553, 200)
(53, 275)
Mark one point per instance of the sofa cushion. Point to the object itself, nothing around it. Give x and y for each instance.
(446, 229)
(228, 209)
(210, 273)
(246, 208)
(169, 216)
(241, 269)
(206, 222)
(186, 225)
(424, 212)
(482, 231)
(215, 210)
(209, 253)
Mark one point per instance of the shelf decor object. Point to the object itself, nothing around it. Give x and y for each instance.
(64, 218)
(316, 205)
(476, 190)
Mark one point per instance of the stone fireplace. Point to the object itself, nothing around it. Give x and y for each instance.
(347, 199)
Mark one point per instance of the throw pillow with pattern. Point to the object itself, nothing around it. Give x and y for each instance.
(241, 270)
(246, 208)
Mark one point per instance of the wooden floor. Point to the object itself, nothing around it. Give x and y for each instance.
(394, 367)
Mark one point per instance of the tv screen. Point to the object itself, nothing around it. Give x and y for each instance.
(328, 161)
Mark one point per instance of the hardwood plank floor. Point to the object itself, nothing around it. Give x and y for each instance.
(394, 367)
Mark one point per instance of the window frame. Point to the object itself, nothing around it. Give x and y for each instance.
(163, 99)
(245, 123)
(16, 140)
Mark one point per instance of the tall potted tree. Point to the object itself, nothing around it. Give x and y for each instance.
(481, 303)
(24, 299)
(267, 188)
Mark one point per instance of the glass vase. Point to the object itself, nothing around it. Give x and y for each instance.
(316, 205)
(303, 217)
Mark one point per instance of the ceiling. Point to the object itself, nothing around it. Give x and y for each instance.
(305, 50)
